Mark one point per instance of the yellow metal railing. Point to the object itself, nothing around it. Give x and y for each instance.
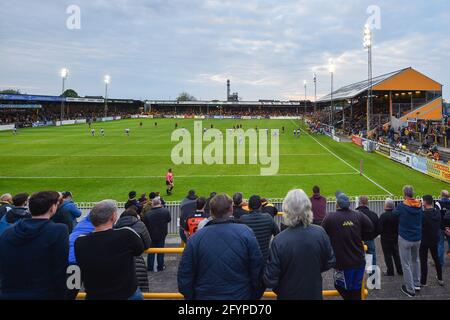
(176, 295)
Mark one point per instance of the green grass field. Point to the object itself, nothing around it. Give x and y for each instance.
(95, 168)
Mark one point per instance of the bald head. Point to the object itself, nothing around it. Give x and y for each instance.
(363, 200)
(445, 194)
(6, 198)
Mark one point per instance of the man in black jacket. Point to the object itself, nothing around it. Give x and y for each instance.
(157, 220)
(262, 225)
(133, 202)
(106, 257)
(388, 224)
(431, 226)
(364, 208)
(238, 203)
(20, 210)
(269, 208)
(33, 253)
(347, 230)
(187, 206)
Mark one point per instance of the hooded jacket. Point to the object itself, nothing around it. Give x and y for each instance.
(16, 214)
(319, 207)
(410, 219)
(33, 260)
(4, 208)
(431, 226)
(140, 266)
(187, 206)
(70, 209)
(83, 227)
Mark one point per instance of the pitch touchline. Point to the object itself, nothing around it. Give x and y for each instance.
(134, 156)
(348, 164)
(192, 176)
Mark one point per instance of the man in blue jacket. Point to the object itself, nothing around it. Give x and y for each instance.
(33, 253)
(69, 208)
(222, 261)
(409, 236)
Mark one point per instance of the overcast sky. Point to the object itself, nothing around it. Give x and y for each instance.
(155, 49)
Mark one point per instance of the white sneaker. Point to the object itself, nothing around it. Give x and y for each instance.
(440, 282)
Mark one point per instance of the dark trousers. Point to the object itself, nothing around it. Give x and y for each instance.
(159, 256)
(391, 256)
(423, 253)
(349, 294)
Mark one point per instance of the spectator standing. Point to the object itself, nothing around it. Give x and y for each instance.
(431, 227)
(157, 220)
(193, 220)
(347, 230)
(68, 212)
(238, 203)
(203, 272)
(319, 206)
(262, 225)
(389, 239)
(300, 254)
(211, 195)
(130, 218)
(269, 208)
(112, 251)
(187, 206)
(443, 205)
(133, 202)
(5, 204)
(364, 208)
(20, 210)
(409, 236)
(33, 253)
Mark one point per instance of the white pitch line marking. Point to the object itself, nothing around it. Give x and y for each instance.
(348, 164)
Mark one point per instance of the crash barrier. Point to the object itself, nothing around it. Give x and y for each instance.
(376, 205)
(177, 295)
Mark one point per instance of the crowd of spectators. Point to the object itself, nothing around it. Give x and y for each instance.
(222, 235)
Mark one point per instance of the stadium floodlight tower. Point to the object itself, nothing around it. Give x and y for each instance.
(107, 80)
(331, 69)
(315, 92)
(304, 84)
(64, 75)
(367, 42)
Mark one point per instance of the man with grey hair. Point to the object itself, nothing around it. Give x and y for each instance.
(5, 204)
(298, 255)
(106, 256)
(347, 230)
(410, 215)
(157, 221)
(389, 239)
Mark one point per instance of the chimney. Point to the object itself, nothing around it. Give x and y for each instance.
(228, 90)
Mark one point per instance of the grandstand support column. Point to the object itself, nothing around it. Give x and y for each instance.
(391, 108)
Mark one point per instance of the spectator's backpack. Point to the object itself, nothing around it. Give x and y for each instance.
(193, 222)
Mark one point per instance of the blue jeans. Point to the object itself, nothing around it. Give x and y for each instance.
(137, 295)
(371, 249)
(159, 256)
(441, 247)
